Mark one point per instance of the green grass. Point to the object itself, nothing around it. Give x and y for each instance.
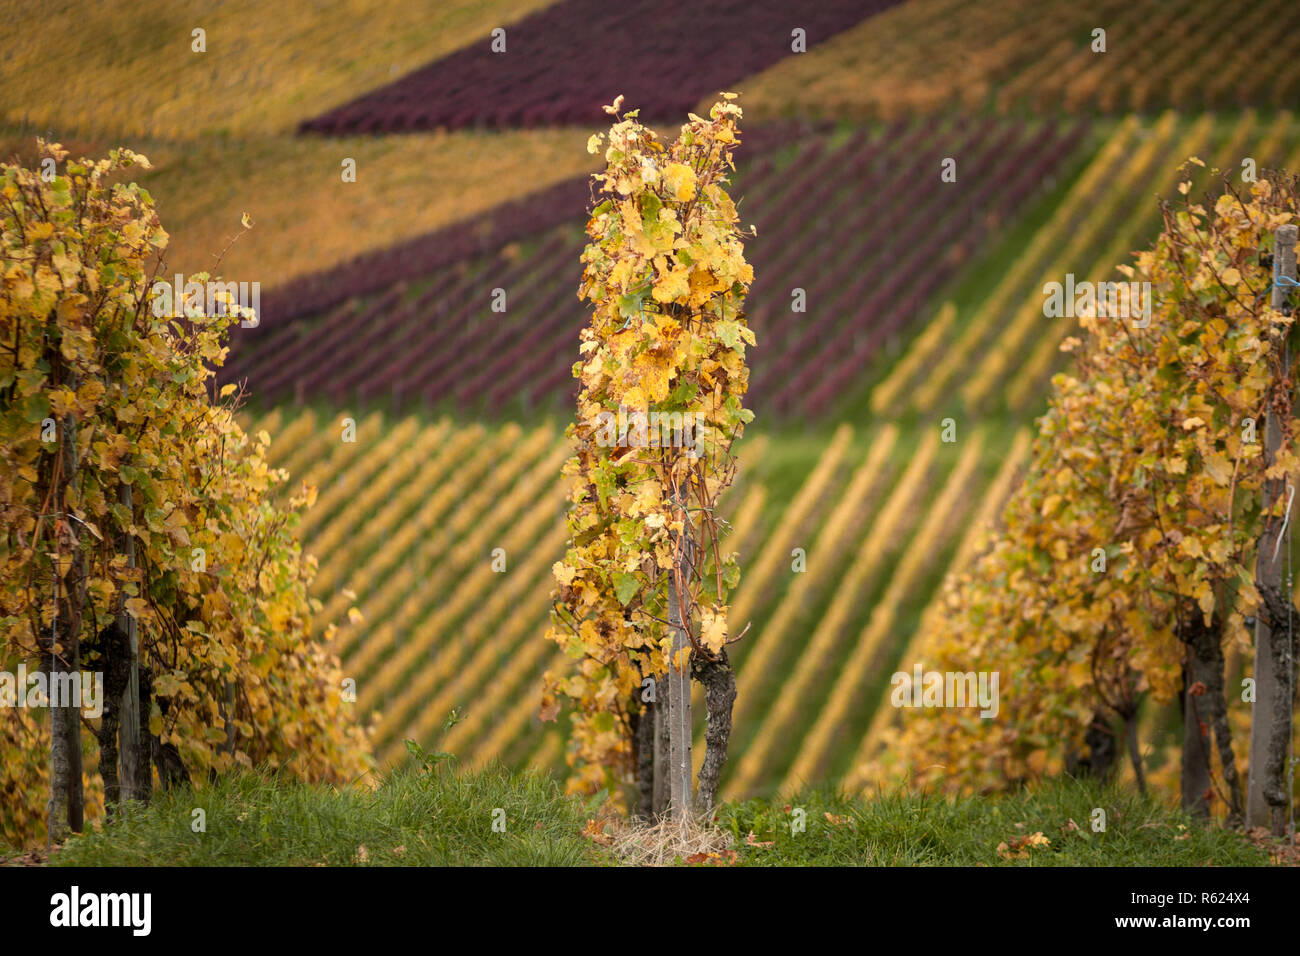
(923, 830)
(445, 818)
(411, 819)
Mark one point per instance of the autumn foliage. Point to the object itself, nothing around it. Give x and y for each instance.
(1125, 565)
(128, 488)
(665, 275)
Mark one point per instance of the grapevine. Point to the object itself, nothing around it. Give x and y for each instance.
(665, 275)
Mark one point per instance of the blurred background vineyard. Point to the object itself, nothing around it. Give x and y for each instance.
(923, 298)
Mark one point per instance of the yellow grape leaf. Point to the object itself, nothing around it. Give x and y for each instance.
(654, 380)
(1218, 468)
(672, 285)
(680, 179)
(232, 545)
(90, 392)
(62, 401)
(635, 399)
(713, 630)
(175, 527)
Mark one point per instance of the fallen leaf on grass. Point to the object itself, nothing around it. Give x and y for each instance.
(1282, 851)
(1018, 848)
(29, 858)
(750, 841)
(725, 858)
(595, 831)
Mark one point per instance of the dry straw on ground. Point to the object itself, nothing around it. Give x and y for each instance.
(667, 841)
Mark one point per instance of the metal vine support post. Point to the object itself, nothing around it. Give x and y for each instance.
(1267, 800)
(679, 683)
(56, 808)
(662, 745)
(76, 595)
(135, 763)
